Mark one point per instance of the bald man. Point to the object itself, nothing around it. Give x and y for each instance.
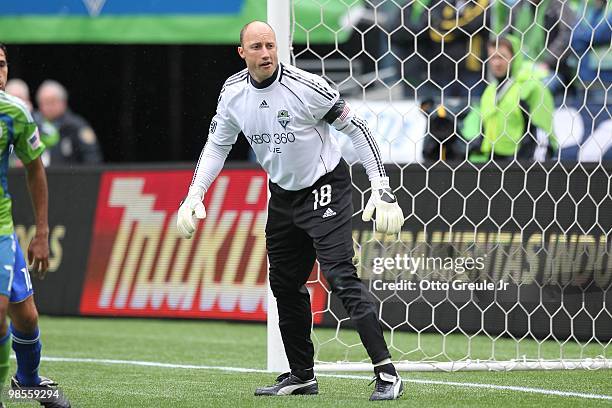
(18, 88)
(285, 114)
(78, 143)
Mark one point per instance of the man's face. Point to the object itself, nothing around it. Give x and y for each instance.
(258, 50)
(3, 70)
(499, 61)
(50, 104)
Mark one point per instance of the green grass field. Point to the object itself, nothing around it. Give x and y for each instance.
(195, 353)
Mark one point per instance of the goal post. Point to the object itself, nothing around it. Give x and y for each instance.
(529, 242)
(279, 20)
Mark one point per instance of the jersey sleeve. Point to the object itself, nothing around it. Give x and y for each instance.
(27, 143)
(323, 98)
(223, 129)
(342, 117)
(319, 96)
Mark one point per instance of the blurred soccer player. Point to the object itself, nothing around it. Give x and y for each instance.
(285, 114)
(18, 130)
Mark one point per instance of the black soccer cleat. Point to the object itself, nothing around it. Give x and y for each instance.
(289, 384)
(388, 387)
(52, 396)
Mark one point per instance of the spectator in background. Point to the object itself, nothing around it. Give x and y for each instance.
(545, 28)
(458, 37)
(515, 112)
(591, 41)
(18, 88)
(441, 142)
(410, 40)
(48, 133)
(78, 143)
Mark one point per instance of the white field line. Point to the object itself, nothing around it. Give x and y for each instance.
(345, 376)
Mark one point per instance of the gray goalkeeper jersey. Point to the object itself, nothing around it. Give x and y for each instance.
(282, 120)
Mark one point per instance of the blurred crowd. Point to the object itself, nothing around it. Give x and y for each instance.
(498, 69)
(499, 80)
(69, 138)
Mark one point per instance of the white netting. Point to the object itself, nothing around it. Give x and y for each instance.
(539, 209)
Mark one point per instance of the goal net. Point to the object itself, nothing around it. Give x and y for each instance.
(504, 259)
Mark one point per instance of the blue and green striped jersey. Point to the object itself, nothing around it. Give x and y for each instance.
(17, 130)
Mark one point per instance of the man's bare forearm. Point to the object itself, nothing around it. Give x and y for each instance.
(37, 185)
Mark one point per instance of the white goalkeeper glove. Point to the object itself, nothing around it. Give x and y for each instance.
(389, 215)
(191, 210)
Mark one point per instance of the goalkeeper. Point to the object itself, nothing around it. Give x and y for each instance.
(18, 131)
(285, 114)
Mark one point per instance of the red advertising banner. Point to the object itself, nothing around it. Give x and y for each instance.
(140, 266)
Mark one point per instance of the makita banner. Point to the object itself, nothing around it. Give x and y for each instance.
(139, 266)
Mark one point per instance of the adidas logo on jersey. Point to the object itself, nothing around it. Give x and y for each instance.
(329, 213)
(263, 104)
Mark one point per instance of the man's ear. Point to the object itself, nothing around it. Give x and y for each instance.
(241, 52)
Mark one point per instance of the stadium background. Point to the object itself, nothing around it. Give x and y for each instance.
(148, 92)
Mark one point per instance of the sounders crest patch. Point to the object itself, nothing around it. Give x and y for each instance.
(283, 118)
